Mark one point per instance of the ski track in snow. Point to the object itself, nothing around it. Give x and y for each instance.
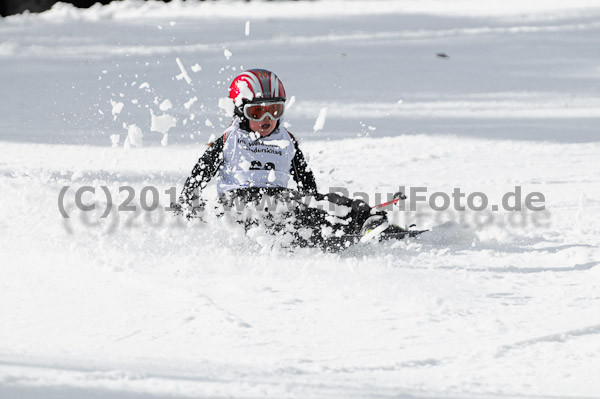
(559, 337)
(144, 305)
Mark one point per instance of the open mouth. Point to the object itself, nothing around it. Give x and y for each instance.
(265, 125)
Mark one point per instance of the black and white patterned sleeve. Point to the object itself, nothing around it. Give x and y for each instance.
(205, 169)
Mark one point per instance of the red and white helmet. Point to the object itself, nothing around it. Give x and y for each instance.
(255, 84)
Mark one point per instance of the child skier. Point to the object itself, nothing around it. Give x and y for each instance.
(256, 157)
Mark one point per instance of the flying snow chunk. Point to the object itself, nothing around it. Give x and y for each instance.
(165, 105)
(226, 104)
(245, 165)
(190, 102)
(134, 136)
(245, 92)
(165, 140)
(326, 231)
(290, 102)
(208, 123)
(227, 53)
(320, 122)
(283, 144)
(196, 68)
(254, 136)
(144, 85)
(114, 140)
(117, 107)
(183, 74)
(247, 30)
(162, 123)
(271, 178)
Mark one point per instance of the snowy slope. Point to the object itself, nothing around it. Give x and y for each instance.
(141, 305)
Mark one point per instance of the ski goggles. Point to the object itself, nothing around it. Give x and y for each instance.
(258, 112)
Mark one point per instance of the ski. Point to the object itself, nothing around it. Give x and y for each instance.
(401, 235)
(396, 235)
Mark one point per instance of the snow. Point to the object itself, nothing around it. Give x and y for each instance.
(190, 102)
(162, 123)
(166, 105)
(290, 102)
(196, 68)
(183, 74)
(227, 105)
(320, 122)
(134, 136)
(271, 178)
(117, 107)
(141, 304)
(114, 139)
(280, 143)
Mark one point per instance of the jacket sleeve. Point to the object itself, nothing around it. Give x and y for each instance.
(207, 167)
(301, 172)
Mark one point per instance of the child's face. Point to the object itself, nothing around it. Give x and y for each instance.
(264, 127)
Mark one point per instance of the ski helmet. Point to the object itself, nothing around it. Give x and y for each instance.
(255, 84)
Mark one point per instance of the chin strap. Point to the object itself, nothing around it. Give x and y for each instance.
(241, 122)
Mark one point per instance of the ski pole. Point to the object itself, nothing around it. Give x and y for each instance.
(399, 196)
